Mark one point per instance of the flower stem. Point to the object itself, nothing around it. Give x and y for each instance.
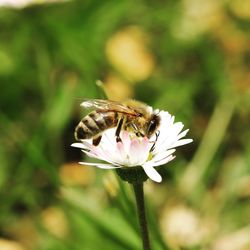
(139, 195)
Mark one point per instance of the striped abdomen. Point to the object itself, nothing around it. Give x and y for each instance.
(94, 124)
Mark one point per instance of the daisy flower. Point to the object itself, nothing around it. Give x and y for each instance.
(133, 151)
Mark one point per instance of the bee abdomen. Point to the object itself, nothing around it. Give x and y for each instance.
(82, 131)
(93, 124)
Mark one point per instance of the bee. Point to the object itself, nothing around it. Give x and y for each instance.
(131, 115)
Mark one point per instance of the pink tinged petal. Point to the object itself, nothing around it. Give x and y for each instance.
(100, 165)
(114, 155)
(145, 148)
(90, 150)
(85, 146)
(105, 155)
(97, 152)
(146, 144)
(152, 173)
(139, 151)
(96, 156)
(120, 149)
(101, 154)
(126, 141)
(134, 152)
(90, 154)
(88, 145)
(120, 154)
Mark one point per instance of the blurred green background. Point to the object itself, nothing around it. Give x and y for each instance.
(189, 57)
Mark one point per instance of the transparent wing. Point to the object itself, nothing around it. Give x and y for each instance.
(107, 105)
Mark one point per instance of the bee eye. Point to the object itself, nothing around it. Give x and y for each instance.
(152, 126)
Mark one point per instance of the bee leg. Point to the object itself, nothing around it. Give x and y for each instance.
(157, 133)
(118, 130)
(139, 134)
(97, 140)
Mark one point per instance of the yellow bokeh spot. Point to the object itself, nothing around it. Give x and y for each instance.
(10, 245)
(55, 222)
(127, 52)
(117, 89)
(240, 8)
(197, 18)
(73, 174)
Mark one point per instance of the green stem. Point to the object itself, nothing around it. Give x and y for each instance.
(139, 195)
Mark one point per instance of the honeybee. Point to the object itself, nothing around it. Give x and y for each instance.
(131, 115)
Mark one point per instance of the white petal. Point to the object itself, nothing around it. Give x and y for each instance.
(152, 173)
(164, 161)
(182, 134)
(100, 165)
(178, 126)
(119, 155)
(163, 154)
(108, 139)
(160, 162)
(164, 144)
(78, 145)
(181, 142)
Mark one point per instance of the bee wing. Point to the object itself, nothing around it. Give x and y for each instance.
(107, 105)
